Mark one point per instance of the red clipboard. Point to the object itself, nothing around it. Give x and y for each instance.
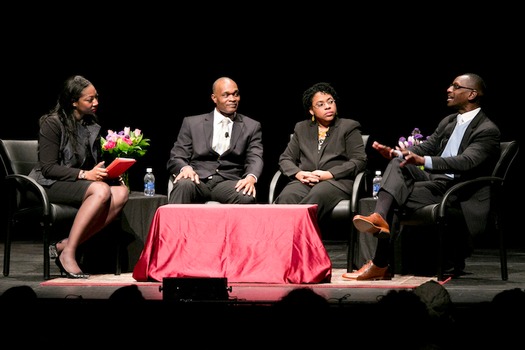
(119, 166)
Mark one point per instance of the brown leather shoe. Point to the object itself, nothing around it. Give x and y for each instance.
(353, 275)
(374, 273)
(373, 224)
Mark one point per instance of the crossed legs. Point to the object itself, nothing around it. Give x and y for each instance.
(102, 204)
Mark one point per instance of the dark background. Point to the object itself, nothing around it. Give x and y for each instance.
(152, 65)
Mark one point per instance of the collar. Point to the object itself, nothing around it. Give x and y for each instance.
(218, 117)
(468, 116)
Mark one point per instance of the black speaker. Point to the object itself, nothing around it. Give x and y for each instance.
(188, 289)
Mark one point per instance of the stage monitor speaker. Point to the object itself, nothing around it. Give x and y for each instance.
(188, 289)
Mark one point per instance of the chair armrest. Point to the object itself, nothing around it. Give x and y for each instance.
(272, 193)
(464, 186)
(24, 183)
(171, 178)
(359, 190)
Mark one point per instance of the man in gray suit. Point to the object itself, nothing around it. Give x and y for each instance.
(218, 156)
(465, 145)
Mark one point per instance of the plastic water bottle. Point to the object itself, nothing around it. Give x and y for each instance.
(149, 183)
(376, 183)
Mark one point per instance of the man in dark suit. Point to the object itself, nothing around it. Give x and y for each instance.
(218, 156)
(465, 145)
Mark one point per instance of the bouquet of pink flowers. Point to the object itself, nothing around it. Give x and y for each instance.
(125, 143)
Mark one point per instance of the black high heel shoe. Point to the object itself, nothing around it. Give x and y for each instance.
(69, 274)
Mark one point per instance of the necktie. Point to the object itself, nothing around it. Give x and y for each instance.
(452, 146)
(223, 142)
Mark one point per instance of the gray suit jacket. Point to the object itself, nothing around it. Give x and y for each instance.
(194, 147)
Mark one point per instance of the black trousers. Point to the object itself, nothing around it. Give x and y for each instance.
(214, 188)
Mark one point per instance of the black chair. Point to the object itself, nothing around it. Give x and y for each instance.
(342, 213)
(446, 213)
(27, 201)
(28, 205)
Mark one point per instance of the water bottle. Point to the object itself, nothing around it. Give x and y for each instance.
(376, 183)
(149, 183)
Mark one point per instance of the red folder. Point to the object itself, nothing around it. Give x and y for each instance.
(119, 166)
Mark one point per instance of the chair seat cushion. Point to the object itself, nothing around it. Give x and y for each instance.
(341, 211)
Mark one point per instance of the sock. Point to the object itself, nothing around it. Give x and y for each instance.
(383, 204)
(382, 252)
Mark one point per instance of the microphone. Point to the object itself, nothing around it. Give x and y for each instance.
(226, 134)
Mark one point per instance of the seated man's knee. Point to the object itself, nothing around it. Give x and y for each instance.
(243, 199)
(183, 184)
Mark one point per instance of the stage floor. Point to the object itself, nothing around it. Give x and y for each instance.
(481, 283)
(259, 313)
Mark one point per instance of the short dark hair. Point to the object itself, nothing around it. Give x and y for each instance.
(308, 95)
(478, 82)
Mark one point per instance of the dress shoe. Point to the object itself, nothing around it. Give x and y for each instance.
(353, 275)
(69, 274)
(374, 273)
(454, 269)
(373, 224)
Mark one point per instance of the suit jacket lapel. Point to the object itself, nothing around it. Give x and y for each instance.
(207, 127)
(328, 138)
(237, 129)
(474, 123)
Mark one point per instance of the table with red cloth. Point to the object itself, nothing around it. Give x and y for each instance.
(259, 243)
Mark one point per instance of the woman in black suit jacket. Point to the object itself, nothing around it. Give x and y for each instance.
(71, 169)
(323, 156)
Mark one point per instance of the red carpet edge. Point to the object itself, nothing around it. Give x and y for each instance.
(399, 281)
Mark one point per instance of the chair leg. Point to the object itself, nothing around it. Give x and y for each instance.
(503, 260)
(46, 228)
(7, 249)
(351, 249)
(502, 250)
(118, 267)
(395, 232)
(440, 253)
(118, 239)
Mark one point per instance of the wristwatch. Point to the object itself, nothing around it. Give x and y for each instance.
(82, 175)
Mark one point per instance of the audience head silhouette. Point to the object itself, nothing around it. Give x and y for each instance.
(127, 294)
(18, 293)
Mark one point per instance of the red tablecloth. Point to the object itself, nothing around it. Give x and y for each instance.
(267, 243)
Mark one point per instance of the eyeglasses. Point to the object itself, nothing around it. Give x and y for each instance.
(455, 86)
(321, 104)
